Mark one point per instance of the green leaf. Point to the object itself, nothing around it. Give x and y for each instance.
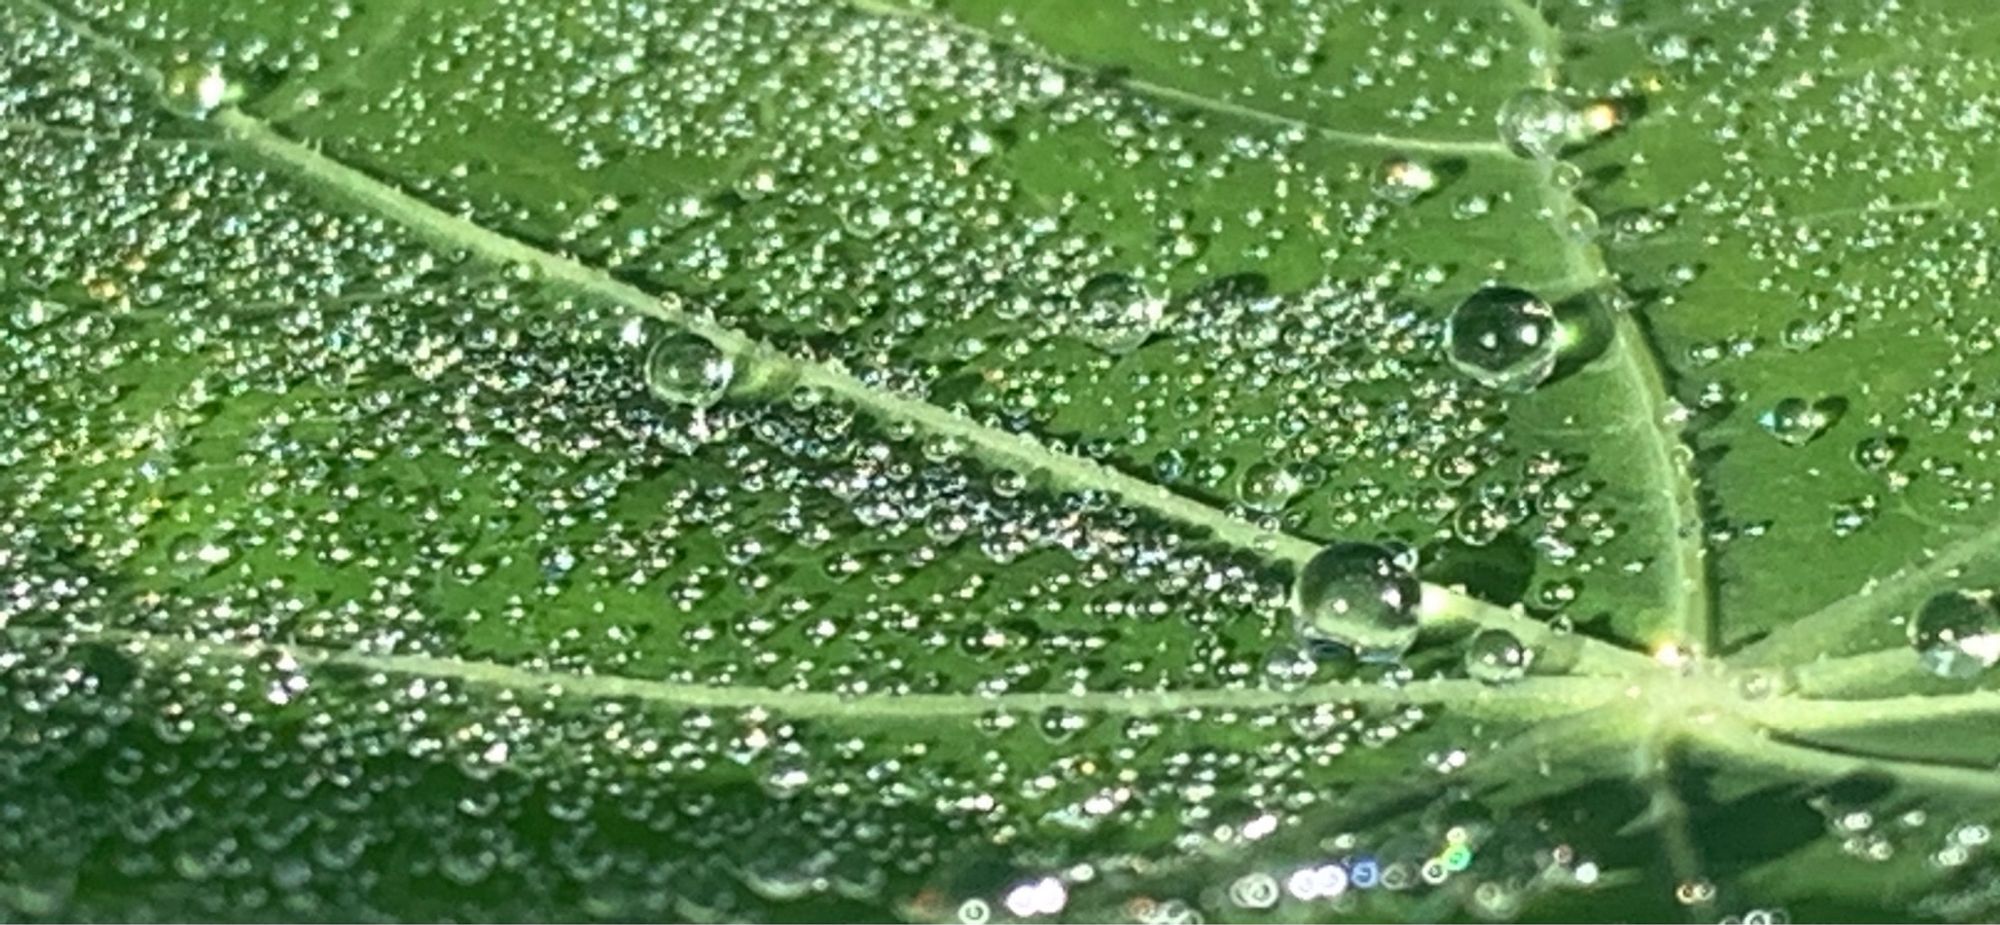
(359, 560)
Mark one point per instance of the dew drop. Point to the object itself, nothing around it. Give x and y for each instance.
(1472, 206)
(1495, 656)
(196, 89)
(1118, 313)
(1535, 123)
(1267, 487)
(685, 369)
(1602, 116)
(1797, 422)
(1957, 634)
(1503, 338)
(1402, 180)
(1359, 595)
(1875, 454)
(1694, 892)
(1257, 890)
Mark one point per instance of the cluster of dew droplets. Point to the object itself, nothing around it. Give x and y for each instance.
(818, 466)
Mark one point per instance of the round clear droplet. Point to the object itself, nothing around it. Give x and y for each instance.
(1359, 595)
(1495, 656)
(1504, 338)
(1957, 634)
(1877, 454)
(1268, 487)
(196, 89)
(1117, 313)
(686, 369)
(1536, 123)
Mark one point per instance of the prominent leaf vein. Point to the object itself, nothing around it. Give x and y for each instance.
(1529, 698)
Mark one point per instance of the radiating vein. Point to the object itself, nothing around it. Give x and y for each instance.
(1820, 632)
(1846, 675)
(1802, 714)
(28, 127)
(1006, 449)
(1665, 469)
(1654, 764)
(1528, 699)
(1758, 746)
(1189, 99)
(1665, 463)
(1544, 40)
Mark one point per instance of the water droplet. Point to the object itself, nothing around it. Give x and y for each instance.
(1694, 893)
(197, 89)
(1359, 595)
(1267, 487)
(1581, 224)
(1504, 338)
(1401, 180)
(1256, 890)
(686, 369)
(1118, 313)
(1495, 656)
(1875, 454)
(1603, 115)
(1957, 634)
(1797, 422)
(1535, 123)
(1472, 206)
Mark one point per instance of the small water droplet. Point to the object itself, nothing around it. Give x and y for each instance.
(1402, 180)
(1957, 634)
(685, 369)
(1694, 893)
(197, 89)
(1268, 487)
(1504, 338)
(1601, 116)
(1877, 453)
(1359, 595)
(1495, 656)
(1797, 422)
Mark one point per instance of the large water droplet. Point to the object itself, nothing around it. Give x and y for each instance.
(1504, 338)
(1359, 595)
(1495, 656)
(1797, 422)
(1957, 634)
(686, 369)
(1536, 123)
